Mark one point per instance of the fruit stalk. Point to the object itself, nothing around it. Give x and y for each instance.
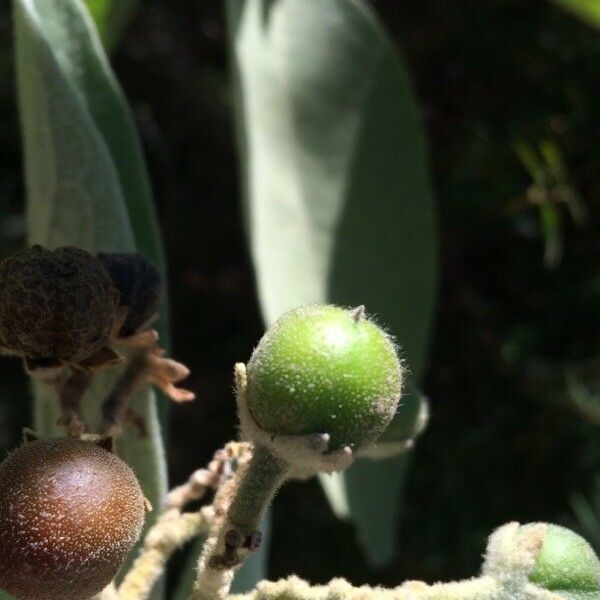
(172, 530)
(114, 407)
(70, 394)
(293, 588)
(323, 383)
(242, 503)
(537, 561)
(174, 527)
(108, 593)
(260, 480)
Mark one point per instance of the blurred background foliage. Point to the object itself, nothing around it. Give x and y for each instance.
(508, 92)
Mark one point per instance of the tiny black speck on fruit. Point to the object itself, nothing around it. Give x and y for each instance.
(70, 512)
(138, 282)
(56, 305)
(325, 369)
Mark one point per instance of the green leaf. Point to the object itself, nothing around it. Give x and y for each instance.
(86, 183)
(337, 192)
(587, 10)
(111, 18)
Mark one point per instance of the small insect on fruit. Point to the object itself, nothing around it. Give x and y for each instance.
(56, 307)
(70, 511)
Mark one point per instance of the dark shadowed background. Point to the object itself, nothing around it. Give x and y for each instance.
(509, 94)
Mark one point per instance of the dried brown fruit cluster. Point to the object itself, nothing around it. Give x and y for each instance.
(56, 306)
(67, 313)
(62, 306)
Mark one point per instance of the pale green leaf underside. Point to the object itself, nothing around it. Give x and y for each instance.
(110, 146)
(338, 202)
(86, 183)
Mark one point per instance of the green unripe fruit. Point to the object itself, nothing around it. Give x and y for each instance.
(542, 557)
(566, 562)
(325, 370)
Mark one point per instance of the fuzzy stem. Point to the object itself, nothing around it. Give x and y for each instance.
(171, 531)
(218, 471)
(242, 504)
(114, 408)
(482, 588)
(108, 593)
(70, 393)
(261, 479)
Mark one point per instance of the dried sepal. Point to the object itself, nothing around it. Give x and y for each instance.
(402, 439)
(147, 365)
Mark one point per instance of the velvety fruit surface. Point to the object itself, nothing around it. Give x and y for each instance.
(325, 369)
(566, 562)
(70, 511)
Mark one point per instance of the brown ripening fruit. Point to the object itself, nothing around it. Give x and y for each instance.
(70, 512)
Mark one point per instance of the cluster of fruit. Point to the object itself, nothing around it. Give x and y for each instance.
(320, 389)
(63, 307)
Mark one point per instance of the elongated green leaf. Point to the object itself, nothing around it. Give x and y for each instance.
(588, 10)
(111, 18)
(337, 189)
(86, 182)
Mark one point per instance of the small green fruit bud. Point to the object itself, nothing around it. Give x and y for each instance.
(325, 370)
(566, 562)
(323, 383)
(543, 557)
